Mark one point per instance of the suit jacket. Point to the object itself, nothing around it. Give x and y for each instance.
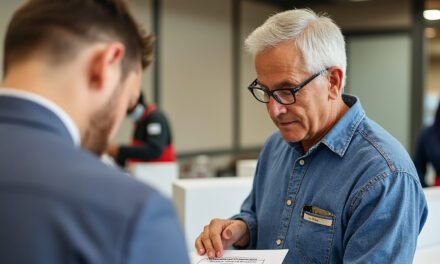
(60, 204)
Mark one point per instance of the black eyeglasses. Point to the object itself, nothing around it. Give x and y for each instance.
(285, 96)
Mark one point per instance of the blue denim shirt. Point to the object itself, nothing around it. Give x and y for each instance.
(352, 198)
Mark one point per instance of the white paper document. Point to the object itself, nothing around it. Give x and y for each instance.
(243, 257)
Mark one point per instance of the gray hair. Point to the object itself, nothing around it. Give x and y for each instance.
(317, 37)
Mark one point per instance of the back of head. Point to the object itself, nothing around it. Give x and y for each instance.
(317, 37)
(57, 29)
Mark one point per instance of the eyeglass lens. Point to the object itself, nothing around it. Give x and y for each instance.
(283, 96)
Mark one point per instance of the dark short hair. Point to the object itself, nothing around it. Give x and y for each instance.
(59, 28)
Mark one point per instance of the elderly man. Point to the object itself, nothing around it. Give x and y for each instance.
(72, 69)
(331, 185)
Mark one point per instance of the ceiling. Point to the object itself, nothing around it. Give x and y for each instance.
(432, 31)
(296, 3)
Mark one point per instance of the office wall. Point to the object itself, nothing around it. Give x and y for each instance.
(142, 11)
(433, 76)
(255, 123)
(7, 9)
(196, 75)
(195, 72)
(379, 73)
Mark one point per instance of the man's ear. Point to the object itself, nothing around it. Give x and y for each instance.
(104, 65)
(335, 76)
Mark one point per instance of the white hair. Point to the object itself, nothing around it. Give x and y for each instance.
(317, 37)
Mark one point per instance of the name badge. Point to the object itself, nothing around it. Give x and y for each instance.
(317, 215)
(154, 129)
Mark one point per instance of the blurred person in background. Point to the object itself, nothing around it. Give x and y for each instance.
(152, 140)
(331, 185)
(428, 151)
(72, 68)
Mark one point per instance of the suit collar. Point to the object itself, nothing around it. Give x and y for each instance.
(67, 122)
(32, 115)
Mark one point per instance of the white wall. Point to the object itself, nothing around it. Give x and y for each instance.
(256, 124)
(142, 11)
(379, 74)
(196, 75)
(7, 9)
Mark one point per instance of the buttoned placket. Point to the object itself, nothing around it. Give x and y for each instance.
(298, 172)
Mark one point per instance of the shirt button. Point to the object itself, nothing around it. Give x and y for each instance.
(289, 202)
(301, 162)
(278, 242)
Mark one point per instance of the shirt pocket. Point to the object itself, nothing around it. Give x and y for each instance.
(315, 235)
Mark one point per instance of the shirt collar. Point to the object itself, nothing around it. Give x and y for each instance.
(60, 113)
(339, 137)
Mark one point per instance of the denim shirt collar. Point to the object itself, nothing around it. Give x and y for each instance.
(339, 137)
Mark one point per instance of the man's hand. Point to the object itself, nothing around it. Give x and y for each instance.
(221, 234)
(112, 150)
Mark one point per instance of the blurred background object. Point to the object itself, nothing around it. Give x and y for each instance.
(246, 168)
(197, 200)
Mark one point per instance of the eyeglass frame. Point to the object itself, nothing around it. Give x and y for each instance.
(293, 91)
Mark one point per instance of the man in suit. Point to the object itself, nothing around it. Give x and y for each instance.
(71, 71)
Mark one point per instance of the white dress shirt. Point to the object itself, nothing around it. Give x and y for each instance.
(60, 113)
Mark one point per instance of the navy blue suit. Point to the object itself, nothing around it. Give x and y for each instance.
(60, 204)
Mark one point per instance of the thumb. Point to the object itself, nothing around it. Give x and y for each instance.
(234, 231)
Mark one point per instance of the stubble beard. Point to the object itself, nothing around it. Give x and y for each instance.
(96, 138)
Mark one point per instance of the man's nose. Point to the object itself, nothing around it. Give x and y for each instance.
(275, 108)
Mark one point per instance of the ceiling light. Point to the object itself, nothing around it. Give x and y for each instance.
(432, 14)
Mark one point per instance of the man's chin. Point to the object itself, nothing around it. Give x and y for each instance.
(96, 148)
(291, 136)
(95, 141)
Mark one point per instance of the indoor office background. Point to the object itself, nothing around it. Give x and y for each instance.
(201, 71)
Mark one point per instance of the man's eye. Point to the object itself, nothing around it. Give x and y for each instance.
(284, 92)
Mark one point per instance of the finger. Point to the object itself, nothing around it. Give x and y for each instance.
(234, 231)
(227, 233)
(206, 240)
(199, 245)
(215, 230)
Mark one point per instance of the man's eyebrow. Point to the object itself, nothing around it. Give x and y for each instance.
(281, 85)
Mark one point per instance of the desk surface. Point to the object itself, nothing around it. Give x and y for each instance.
(213, 182)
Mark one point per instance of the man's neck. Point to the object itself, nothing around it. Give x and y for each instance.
(335, 115)
(33, 77)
